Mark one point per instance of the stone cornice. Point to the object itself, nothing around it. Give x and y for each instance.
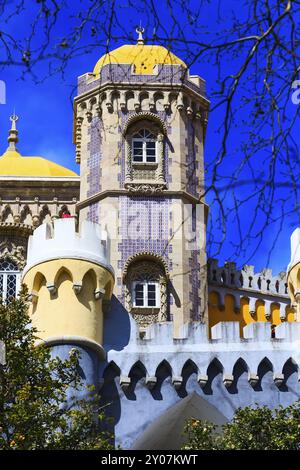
(14, 228)
(123, 192)
(140, 86)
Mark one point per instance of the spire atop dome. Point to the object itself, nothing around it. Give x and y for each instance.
(140, 30)
(13, 133)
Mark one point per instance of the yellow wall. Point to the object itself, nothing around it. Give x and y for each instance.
(215, 314)
(65, 313)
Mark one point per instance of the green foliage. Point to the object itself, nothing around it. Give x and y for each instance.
(258, 428)
(34, 413)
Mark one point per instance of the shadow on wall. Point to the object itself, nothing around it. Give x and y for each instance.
(110, 398)
(116, 326)
(166, 432)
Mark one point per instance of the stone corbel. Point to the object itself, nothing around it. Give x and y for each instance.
(177, 381)
(180, 104)
(109, 103)
(136, 104)
(228, 380)
(189, 112)
(151, 102)
(35, 220)
(282, 312)
(268, 313)
(252, 306)
(278, 379)
(166, 104)
(150, 382)
(202, 380)
(55, 210)
(51, 288)
(99, 293)
(125, 382)
(77, 286)
(123, 101)
(253, 379)
(33, 297)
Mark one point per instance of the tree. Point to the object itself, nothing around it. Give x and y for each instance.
(257, 428)
(34, 410)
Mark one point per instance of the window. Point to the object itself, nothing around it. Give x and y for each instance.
(146, 294)
(9, 280)
(144, 147)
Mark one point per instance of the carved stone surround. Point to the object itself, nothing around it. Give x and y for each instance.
(136, 271)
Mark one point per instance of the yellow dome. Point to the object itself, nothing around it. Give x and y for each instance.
(14, 164)
(144, 58)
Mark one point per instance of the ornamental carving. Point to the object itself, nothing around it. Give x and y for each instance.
(16, 253)
(149, 270)
(148, 116)
(146, 188)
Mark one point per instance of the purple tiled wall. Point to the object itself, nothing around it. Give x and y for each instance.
(93, 214)
(192, 181)
(95, 157)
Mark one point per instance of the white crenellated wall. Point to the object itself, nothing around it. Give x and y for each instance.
(62, 241)
(225, 345)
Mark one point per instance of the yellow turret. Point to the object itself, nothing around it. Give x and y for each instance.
(68, 276)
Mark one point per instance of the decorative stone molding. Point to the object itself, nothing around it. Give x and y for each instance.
(16, 253)
(144, 320)
(78, 127)
(161, 159)
(145, 188)
(145, 177)
(136, 270)
(145, 115)
(146, 255)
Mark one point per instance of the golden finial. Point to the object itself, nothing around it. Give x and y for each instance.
(13, 133)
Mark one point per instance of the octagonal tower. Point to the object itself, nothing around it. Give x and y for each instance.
(139, 127)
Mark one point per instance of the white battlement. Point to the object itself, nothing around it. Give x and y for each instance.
(62, 241)
(246, 279)
(225, 346)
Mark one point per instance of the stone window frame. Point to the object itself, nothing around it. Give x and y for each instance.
(143, 267)
(156, 129)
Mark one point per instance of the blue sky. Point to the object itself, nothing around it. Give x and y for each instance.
(45, 110)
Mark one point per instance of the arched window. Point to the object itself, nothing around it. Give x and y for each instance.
(146, 291)
(9, 280)
(144, 147)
